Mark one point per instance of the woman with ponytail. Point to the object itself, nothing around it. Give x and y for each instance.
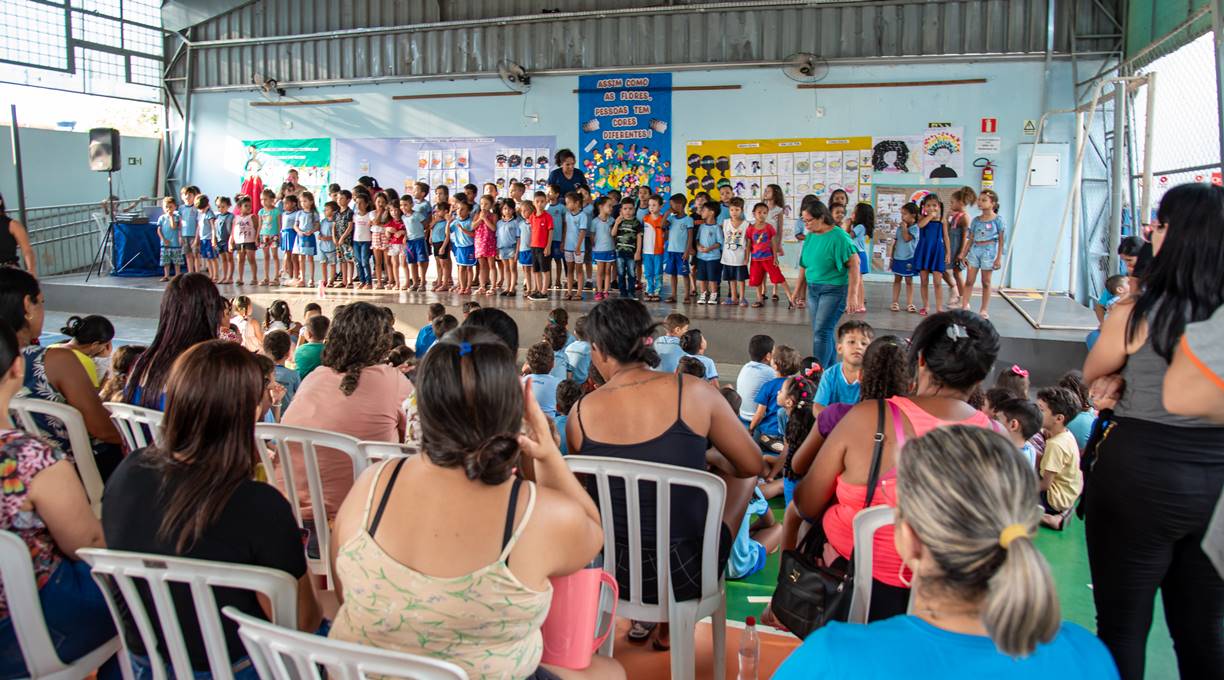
(655, 417)
(484, 585)
(984, 600)
(353, 392)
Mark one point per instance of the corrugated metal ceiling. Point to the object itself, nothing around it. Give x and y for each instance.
(329, 41)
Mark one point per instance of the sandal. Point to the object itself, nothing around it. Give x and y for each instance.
(758, 304)
(670, 300)
(775, 297)
(894, 307)
(912, 309)
(922, 312)
(641, 631)
(984, 314)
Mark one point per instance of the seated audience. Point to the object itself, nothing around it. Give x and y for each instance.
(276, 347)
(426, 337)
(1021, 419)
(190, 313)
(484, 585)
(352, 392)
(54, 374)
(985, 605)
(620, 333)
(539, 374)
(840, 382)
(45, 505)
(209, 505)
(752, 375)
(765, 425)
(121, 365)
(555, 336)
(1061, 479)
(568, 394)
(578, 353)
(89, 338)
(309, 351)
(497, 322)
(1081, 425)
(691, 366)
(693, 343)
(950, 354)
(667, 346)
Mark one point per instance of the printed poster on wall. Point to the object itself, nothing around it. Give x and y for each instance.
(943, 153)
(896, 157)
(451, 161)
(272, 159)
(624, 131)
(888, 202)
(798, 167)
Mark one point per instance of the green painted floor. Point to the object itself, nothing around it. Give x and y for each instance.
(1068, 559)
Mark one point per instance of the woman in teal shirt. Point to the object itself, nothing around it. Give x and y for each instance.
(828, 266)
(983, 598)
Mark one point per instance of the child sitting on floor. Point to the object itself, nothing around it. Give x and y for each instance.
(840, 383)
(539, 372)
(765, 427)
(1061, 479)
(276, 346)
(568, 394)
(1021, 419)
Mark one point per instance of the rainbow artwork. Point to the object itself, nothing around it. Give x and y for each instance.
(943, 154)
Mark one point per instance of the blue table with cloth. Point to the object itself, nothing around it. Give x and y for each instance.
(136, 250)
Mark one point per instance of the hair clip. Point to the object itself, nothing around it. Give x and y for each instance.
(812, 370)
(1019, 371)
(956, 331)
(648, 342)
(465, 348)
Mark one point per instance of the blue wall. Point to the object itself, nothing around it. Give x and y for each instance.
(768, 105)
(56, 170)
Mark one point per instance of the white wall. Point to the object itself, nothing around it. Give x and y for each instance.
(768, 105)
(56, 171)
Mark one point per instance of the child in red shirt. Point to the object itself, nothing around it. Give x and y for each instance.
(541, 247)
(763, 239)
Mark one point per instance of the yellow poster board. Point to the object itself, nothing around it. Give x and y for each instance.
(813, 165)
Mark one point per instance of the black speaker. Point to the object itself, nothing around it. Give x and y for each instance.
(104, 150)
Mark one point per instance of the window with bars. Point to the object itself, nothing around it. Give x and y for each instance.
(105, 47)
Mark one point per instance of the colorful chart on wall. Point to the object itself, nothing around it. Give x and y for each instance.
(798, 166)
(888, 202)
(451, 161)
(624, 131)
(272, 159)
(943, 153)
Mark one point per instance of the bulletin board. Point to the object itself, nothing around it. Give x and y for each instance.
(624, 136)
(888, 202)
(446, 161)
(799, 166)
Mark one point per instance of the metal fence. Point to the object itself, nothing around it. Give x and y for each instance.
(66, 237)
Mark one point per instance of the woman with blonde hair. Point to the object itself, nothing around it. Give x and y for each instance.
(984, 603)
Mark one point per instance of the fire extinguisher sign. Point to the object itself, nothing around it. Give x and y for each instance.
(990, 125)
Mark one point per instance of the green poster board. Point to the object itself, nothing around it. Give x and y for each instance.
(272, 159)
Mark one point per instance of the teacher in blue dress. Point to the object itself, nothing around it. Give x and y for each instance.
(565, 176)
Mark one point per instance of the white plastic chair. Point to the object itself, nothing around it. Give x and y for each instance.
(682, 616)
(288, 441)
(283, 654)
(136, 424)
(157, 572)
(375, 451)
(866, 523)
(26, 614)
(78, 439)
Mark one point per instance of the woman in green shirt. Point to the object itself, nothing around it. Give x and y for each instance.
(828, 265)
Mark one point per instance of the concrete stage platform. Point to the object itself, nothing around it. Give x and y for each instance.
(1045, 353)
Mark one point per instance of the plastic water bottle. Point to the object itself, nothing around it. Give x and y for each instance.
(749, 651)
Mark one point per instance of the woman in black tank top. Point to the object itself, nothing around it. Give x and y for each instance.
(13, 236)
(642, 414)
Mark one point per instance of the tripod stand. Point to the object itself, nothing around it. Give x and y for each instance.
(109, 233)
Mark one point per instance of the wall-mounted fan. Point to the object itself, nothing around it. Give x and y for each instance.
(270, 89)
(805, 67)
(514, 76)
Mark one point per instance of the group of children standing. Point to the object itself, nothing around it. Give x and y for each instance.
(947, 248)
(375, 238)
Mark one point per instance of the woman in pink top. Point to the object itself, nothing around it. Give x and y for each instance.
(352, 392)
(951, 353)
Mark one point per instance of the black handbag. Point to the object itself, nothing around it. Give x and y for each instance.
(811, 593)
